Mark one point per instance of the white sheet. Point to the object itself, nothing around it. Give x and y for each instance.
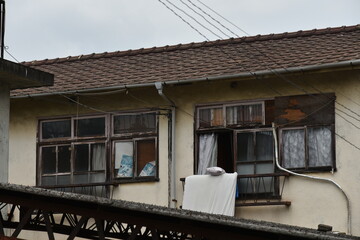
(210, 194)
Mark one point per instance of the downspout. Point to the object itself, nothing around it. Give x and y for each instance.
(172, 168)
(314, 178)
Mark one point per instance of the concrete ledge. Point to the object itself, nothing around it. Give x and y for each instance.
(18, 76)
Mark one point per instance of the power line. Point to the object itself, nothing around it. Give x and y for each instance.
(6, 50)
(204, 18)
(213, 18)
(183, 20)
(224, 19)
(202, 25)
(273, 71)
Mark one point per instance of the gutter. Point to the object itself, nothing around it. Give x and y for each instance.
(351, 63)
(171, 147)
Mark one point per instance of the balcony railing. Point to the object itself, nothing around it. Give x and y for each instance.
(94, 189)
(260, 189)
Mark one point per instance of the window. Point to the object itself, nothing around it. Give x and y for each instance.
(255, 156)
(307, 148)
(238, 137)
(77, 150)
(244, 114)
(73, 151)
(306, 137)
(134, 146)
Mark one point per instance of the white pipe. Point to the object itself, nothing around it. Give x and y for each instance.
(314, 178)
(172, 168)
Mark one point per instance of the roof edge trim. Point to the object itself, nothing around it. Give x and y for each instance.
(350, 63)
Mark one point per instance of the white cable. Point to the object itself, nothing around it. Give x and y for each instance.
(314, 178)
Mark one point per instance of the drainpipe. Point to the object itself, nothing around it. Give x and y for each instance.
(172, 169)
(313, 178)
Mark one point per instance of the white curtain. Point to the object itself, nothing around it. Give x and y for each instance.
(207, 152)
(320, 151)
(294, 148)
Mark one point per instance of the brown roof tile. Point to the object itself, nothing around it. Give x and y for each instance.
(198, 60)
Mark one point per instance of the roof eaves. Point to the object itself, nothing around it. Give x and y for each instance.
(345, 64)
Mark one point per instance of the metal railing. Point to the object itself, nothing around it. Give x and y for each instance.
(260, 189)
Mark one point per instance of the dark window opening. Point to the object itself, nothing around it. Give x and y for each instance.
(56, 129)
(88, 127)
(132, 123)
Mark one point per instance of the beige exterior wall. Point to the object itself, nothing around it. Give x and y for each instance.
(312, 202)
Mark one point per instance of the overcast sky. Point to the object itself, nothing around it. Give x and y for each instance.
(40, 29)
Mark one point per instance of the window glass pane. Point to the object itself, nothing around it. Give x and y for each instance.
(146, 165)
(244, 114)
(264, 146)
(97, 177)
(245, 147)
(98, 156)
(264, 184)
(48, 159)
(264, 168)
(56, 129)
(319, 145)
(293, 144)
(64, 155)
(81, 157)
(245, 185)
(234, 115)
(252, 113)
(81, 178)
(204, 118)
(135, 123)
(48, 181)
(63, 180)
(90, 127)
(245, 169)
(211, 117)
(124, 159)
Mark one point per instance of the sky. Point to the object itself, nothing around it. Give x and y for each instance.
(46, 29)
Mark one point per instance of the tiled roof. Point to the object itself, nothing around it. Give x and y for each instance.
(199, 60)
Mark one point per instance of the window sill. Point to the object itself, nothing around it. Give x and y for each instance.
(313, 170)
(267, 203)
(136, 180)
(78, 185)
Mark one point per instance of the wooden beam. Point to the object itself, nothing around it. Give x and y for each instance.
(48, 226)
(1, 224)
(100, 228)
(77, 228)
(23, 222)
(135, 232)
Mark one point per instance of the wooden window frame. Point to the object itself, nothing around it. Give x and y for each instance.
(133, 137)
(307, 168)
(224, 106)
(107, 139)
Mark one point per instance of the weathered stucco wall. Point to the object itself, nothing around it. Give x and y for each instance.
(312, 202)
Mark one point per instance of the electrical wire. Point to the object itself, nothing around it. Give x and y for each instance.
(194, 19)
(202, 16)
(215, 20)
(183, 19)
(224, 19)
(287, 80)
(6, 50)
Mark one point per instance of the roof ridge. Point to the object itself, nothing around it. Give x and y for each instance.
(167, 48)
